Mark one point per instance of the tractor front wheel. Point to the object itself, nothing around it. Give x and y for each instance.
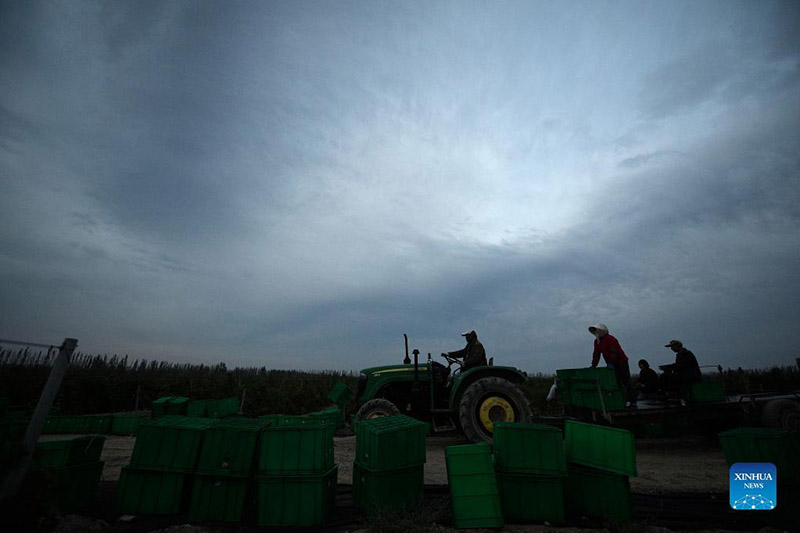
(375, 408)
(491, 400)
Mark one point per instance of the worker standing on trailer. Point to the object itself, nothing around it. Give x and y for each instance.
(473, 353)
(608, 346)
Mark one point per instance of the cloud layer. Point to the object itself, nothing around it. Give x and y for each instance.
(297, 184)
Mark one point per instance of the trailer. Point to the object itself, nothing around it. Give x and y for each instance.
(593, 395)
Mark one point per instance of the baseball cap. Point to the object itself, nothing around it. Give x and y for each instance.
(672, 343)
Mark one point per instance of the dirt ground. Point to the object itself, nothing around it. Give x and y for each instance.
(677, 465)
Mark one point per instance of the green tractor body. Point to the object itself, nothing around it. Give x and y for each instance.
(469, 401)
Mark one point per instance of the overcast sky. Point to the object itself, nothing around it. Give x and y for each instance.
(296, 184)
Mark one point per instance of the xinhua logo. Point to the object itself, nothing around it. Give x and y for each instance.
(753, 486)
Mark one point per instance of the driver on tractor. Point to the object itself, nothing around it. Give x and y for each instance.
(473, 353)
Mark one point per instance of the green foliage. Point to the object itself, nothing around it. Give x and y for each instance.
(103, 383)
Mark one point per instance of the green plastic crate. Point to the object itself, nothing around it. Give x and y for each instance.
(295, 445)
(229, 447)
(197, 408)
(706, 392)
(591, 398)
(567, 374)
(170, 443)
(333, 416)
(590, 492)
(529, 448)
(340, 394)
(80, 425)
(218, 499)
(390, 442)
(469, 458)
(605, 448)
(159, 406)
(296, 500)
(151, 492)
(177, 405)
(764, 445)
(474, 493)
(222, 408)
(529, 498)
(126, 423)
(67, 488)
(67, 452)
(100, 424)
(585, 378)
(395, 490)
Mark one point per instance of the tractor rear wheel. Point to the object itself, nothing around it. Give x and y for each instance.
(375, 408)
(491, 400)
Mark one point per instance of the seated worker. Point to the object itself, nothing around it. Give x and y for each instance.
(683, 372)
(648, 381)
(473, 353)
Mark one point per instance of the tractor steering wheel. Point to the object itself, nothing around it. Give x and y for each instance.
(452, 360)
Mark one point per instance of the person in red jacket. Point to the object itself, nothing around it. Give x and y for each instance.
(608, 346)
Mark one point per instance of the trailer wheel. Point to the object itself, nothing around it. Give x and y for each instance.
(781, 414)
(491, 400)
(375, 408)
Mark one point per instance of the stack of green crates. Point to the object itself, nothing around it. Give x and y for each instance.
(296, 482)
(593, 388)
(222, 408)
(126, 423)
(197, 408)
(177, 405)
(530, 465)
(473, 486)
(765, 445)
(388, 472)
(333, 415)
(159, 406)
(225, 469)
(600, 461)
(66, 471)
(162, 465)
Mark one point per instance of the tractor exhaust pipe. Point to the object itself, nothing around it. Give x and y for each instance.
(407, 360)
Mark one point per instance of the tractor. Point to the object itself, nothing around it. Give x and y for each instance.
(470, 401)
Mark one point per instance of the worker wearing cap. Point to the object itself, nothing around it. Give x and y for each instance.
(473, 353)
(608, 346)
(683, 372)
